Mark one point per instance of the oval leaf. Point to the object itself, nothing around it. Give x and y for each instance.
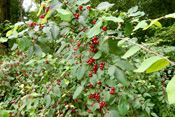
(95, 30)
(97, 55)
(80, 72)
(158, 65)
(104, 5)
(111, 70)
(170, 91)
(65, 15)
(131, 52)
(37, 50)
(147, 63)
(114, 19)
(77, 92)
(120, 76)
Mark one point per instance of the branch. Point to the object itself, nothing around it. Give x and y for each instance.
(142, 48)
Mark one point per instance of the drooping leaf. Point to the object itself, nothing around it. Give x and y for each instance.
(141, 24)
(77, 92)
(128, 28)
(106, 96)
(37, 50)
(104, 5)
(111, 70)
(97, 55)
(80, 72)
(30, 52)
(158, 65)
(64, 14)
(120, 76)
(131, 52)
(95, 30)
(170, 91)
(114, 19)
(147, 63)
(123, 107)
(48, 100)
(57, 91)
(55, 32)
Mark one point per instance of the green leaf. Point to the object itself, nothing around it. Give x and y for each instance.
(170, 91)
(111, 83)
(80, 2)
(37, 50)
(1, 74)
(141, 24)
(111, 70)
(30, 52)
(112, 113)
(80, 72)
(131, 52)
(147, 63)
(97, 55)
(172, 15)
(2, 40)
(34, 94)
(120, 76)
(152, 22)
(4, 113)
(55, 32)
(41, 9)
(57, 91)
(104, 5)
(158, 65)
(95, 30)
(133, 9)
(65, 15)
(123, 107)
(113, 47)
(32, 111)
(45, 18)
(120, 43)
(114, 19)
(128, 28)
(9, 33)
(77, 92)
(95, 107)
(106, 95)
(48, 100)
(124, 65)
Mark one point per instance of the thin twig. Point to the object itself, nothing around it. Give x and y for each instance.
(142, 48)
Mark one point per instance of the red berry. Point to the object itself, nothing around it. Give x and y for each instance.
(88, 111)
(81, 8)
(42, 16)
(88, 7)
(90, 85)
(111, 92)
(31, 25)
(35, 23)
(47, 62)
(113, 88)
(94, 22)
(91, 46)
(44, 7)
(105, 28)
(90, 75)
(78, 44)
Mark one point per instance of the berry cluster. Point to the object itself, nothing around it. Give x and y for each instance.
(96, 96)
(90, 61)
(76, 15)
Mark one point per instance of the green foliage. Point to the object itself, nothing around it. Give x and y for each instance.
(74, 68)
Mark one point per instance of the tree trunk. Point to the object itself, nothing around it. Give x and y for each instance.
(21, 11)
(4, 10)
